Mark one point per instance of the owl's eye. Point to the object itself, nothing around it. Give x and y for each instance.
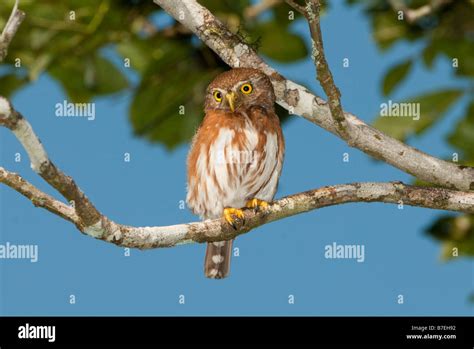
(246, 88)
(217, 96)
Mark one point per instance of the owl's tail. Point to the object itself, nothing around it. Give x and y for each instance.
(217, 261)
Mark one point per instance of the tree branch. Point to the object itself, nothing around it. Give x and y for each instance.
(89, 221)
(324, 75)
(414, 15)
(40, 163)
(37, 197)
(13, 23)
(298, 100)
(218, 230)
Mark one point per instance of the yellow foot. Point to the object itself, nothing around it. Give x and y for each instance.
(257, 205)
(234, 216)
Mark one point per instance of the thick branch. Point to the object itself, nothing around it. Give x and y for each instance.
(218, 230)
(91, 222)
(298, 100)
(10, 30)
(41, 164)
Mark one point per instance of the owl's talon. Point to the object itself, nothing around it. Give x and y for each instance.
(235, 217)
(257, 204)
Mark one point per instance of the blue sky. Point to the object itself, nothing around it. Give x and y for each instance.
(277, 260)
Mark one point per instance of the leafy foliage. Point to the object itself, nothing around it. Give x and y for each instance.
(445, 34)
(432, 107)
(462, 136)
(280, 44)
(173, 68)
(456, 234)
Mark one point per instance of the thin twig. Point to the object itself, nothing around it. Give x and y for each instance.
(324, 75)
(37, 197)
(296, 6)
(414, 15)
(13, 23)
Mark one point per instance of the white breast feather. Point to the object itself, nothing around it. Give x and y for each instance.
(235, 195)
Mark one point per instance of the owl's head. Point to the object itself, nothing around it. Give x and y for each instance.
(239, 89)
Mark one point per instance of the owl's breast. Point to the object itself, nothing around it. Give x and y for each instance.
(237, 164)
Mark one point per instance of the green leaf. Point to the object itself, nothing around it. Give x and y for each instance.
(459, 53)
(463, 135)
(70, 74)
(155, 109)
(107, 77)
(40, 38)
(387, 29)
(281, 14)
(84, 79)
(470, 298)
(279, 44)
(395, 75)
(177, 130)
(431, 108)
(10, 83)
(138, 52)
(456, 234)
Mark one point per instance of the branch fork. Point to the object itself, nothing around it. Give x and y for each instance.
(89, 220)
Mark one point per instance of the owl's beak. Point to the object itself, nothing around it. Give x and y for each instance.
(230, 97)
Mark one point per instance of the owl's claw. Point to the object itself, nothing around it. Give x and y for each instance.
(235, 217)
(257, 204)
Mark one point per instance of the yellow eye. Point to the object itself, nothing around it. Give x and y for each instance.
(246, 88)
(217, 96)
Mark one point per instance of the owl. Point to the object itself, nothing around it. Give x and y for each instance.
(236, 156)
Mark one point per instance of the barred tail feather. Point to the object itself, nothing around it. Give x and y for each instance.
(217, 261)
